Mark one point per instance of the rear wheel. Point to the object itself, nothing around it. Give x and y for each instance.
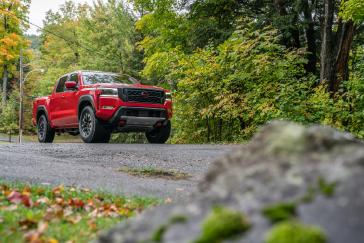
(45, 132)
(159, 135)
(91, 129)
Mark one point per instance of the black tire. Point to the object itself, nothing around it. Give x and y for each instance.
(91, 129)
(45, 132)
(159, 135)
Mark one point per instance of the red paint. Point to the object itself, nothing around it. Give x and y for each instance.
(62, 107)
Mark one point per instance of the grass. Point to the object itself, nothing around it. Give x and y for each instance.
(63, 138)
(44, 214)
(155, 173)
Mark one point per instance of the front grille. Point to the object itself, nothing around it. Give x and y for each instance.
(137, 112)
(142, 95)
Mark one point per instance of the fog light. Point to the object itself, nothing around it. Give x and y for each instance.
(108, 107)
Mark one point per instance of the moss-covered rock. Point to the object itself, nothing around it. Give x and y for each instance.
(317, 168)
(293, 232)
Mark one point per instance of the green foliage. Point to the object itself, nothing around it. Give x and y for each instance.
(353, 10)
(293, 232)
(9, 115)
(225, 94)
(280, 212)
(222, 223)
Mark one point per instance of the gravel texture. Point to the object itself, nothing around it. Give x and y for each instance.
(96, 166)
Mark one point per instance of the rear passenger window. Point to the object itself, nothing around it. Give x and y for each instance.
(61, 85)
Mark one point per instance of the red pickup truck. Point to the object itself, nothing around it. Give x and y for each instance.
(96, 104)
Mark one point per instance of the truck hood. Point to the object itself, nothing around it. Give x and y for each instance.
(137, 86)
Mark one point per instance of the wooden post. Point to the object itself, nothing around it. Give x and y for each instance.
(21, 98)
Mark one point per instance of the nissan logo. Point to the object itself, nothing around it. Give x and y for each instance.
(145, 94)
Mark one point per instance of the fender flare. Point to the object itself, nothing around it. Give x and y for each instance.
(43, 109)
(85, 98)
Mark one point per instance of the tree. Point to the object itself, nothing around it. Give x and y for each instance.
(107, 30)
(12, 13)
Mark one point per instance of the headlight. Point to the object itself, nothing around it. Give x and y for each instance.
(109, 92)
(169, 96)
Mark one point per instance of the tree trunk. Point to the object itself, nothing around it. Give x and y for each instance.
(345, 41)
(294, 39)
(327, 72)
(310, 39)
(5, 84)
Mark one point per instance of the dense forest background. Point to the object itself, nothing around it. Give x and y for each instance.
(232, 65)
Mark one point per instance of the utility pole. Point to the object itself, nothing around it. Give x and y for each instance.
(21, 91)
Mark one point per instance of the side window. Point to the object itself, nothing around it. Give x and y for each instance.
(61, 86)
(74, 77)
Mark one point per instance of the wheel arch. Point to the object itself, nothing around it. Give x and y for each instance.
(85, 100)
(42, 110)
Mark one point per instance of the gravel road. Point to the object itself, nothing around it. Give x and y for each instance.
(96, 166)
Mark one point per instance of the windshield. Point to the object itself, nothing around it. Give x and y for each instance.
(108, 78)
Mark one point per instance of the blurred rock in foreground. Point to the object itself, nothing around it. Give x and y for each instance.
(290, 184)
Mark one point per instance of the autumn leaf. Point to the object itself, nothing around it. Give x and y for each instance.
(27, 223)
(34, 236)
(52, 240)
(92, 224)
(74, 219)
(17, 198)
(58, 190)
(42, 200)
(75, 202)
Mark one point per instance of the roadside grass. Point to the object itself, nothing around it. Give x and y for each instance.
(155, 173)
(63, 138)
(33, 213)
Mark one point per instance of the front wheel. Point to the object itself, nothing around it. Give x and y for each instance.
(45, 132)
(91, 129)
(159, 135)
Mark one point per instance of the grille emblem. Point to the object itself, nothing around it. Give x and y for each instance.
(145, 94)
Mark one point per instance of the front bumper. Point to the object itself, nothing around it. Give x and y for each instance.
(138, 119)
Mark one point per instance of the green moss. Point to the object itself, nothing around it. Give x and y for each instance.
(293, 232)
(327, 189)
(158, 234)
(178, 219)
(280, 212)
(309, 195)
(222, 223)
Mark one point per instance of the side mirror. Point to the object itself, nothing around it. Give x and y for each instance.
(71, 85)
